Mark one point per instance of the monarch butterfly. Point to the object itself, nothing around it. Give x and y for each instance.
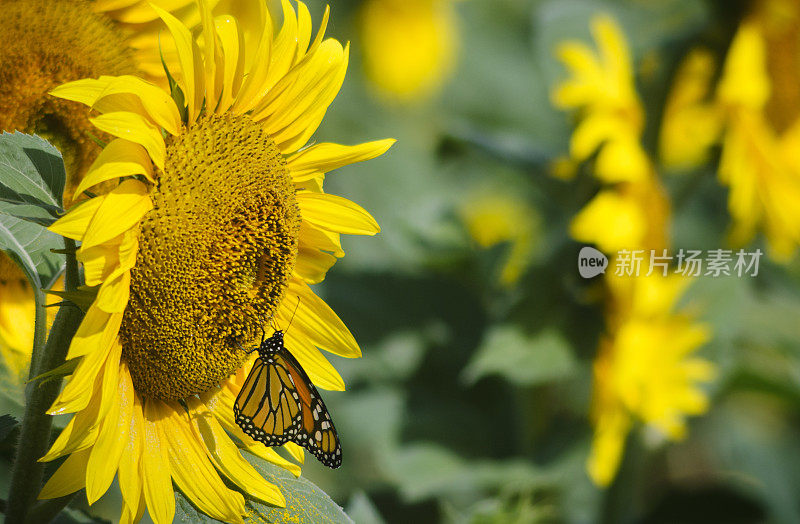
(279, 404)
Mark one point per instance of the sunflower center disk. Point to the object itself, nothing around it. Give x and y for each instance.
(215, 254)
(44, 44)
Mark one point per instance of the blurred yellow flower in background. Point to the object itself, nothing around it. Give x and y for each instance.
(646, 371)
(216, 224)
(755, 115)
(409, 46)
(16, 318)
(492, 219)
(691, 122)
(601, 89)
(627, 216)
(633, 212)
(760, 163)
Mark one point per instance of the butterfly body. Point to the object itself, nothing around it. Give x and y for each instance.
(279, 404)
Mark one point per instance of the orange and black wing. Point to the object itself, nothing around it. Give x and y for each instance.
(279, 404)
(316, 432)
(268, 406)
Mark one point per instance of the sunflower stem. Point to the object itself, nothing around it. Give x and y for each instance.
(34, 438)
(39, 331)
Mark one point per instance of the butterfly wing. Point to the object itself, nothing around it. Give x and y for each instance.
(268, 407)
(278, 404)
(316, 432)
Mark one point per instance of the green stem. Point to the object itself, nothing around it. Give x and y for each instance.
(39, 332)
(27, 473)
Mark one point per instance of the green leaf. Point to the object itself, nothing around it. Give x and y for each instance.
(29, 245)
(83, 298)
(32, 178)
(67, 368)
(32, 182)
(522, 360)
(305, 502)
(427, 470)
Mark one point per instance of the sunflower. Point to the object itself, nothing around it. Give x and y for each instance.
(216, 225)
(46, 43)
(754, 114)
(632, 211)
(647, 370)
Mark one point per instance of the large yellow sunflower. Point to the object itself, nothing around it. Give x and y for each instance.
(216, 225)
(46, 43)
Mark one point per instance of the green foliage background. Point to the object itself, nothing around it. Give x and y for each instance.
(470, 403)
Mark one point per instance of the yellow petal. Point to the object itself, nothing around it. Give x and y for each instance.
(210, 53)
(295, 451)
(135, 128)
(254, 84)
(155, 466)
(303, 31)
(303, 125)
(68, 478)
(317, 321)
(190, 82)
(312, 265)
(319, 370)
(309, 87)
(129, 249)
(232, 42)
(336, 214)
(322, 158)
(80, 433)
(99, 261)
(323, 26)
(120, 158)
(115, 291)
(228, 460)
(284, 47)
(193, 472)
(612, 221)
(83, 91)
(312, 237)
(111, 442)
(612, 47)
(607, 445)
(110, 379)
(622, 160)
(129, 475)
(96, 332)
(78, 392)
(124, 93)
(221, 405)
(122, 208)
(593, 131)
(74, 224)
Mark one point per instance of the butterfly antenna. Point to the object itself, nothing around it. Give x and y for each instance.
(294, 313)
